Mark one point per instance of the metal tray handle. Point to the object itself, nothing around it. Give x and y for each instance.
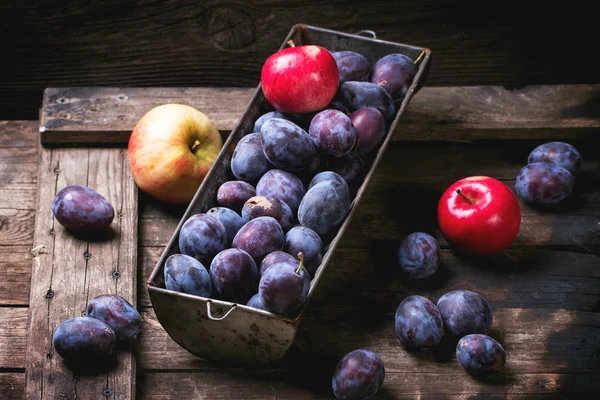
(208, 312)
(367, 33)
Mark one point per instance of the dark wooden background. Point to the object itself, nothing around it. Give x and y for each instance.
(49, 43)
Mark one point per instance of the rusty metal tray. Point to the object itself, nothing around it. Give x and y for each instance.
(222, 331)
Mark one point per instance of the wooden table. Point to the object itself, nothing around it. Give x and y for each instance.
(544, 291)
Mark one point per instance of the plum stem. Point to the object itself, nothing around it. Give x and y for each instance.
(196, 144)
(467, 198)
(420, 57)
(301, 258)
(291, 43)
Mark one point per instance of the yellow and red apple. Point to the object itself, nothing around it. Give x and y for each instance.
(171, 149)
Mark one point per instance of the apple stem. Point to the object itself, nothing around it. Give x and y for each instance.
(196, 144)
(467, 198)
(301, 257)
(291, 43)
(420, 57)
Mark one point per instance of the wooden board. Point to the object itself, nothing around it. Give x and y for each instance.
(544, 291)
(68, 271)
(108, 115)
(202, 43)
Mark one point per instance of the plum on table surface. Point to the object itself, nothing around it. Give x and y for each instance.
(395, 73)
(231, 220)
(465, 312)
(559, 153)
(370, 128)
(284, 287)
(359, 375)
(286, 145)
(185, 274)
(234, 275)
(81, 209)
(418, 323)
(202, 236)
(282, 185)
(84, 340)
(352, 66)
(259, 237)
(248, 162)
(544, 184)
(357, 95)
(480, 355)
(324, 207)
(332, 133)
(276, 257)
(233, 194)
(261, 206)
(116, 312)
(301, 239)
(419, 255)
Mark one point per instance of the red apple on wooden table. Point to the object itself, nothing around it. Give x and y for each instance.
(171, 149)
(300, 79)
(479, 215)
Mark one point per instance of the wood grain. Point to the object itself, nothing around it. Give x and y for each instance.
(558, 345)
(544, 291)
(12, 386)
(190, 43)
(108, 115)
(65, 277)
(15, 274)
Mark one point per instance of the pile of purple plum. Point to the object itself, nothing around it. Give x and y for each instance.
(549, 176)
(459, 314)
(292, 183)
(109, 318)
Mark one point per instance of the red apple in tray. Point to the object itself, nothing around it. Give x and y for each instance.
(300, 79)
(479, 215)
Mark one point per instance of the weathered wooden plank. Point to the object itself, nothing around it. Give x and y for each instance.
(536, 341)
(18, 176)
(64, 278)
(13, 337)
(300, 384)
(108, 115)
(12, 386)
(161, 386)
(190, 43)
(18, 155)
(520, 278)
(15, 274)
(16, 226)
(379, 222)
(18, 133)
